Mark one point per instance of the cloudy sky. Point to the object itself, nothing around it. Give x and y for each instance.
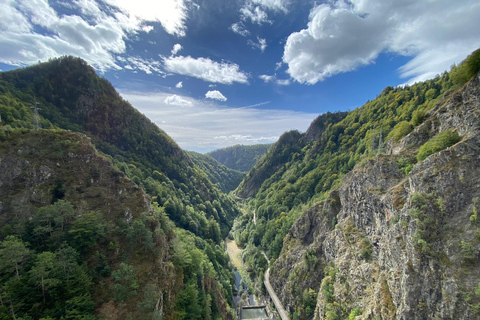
(214, 73)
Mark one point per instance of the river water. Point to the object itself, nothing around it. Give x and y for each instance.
(238, 282)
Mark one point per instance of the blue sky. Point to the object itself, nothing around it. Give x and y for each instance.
(214, 73)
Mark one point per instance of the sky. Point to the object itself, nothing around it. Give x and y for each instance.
(215, 73)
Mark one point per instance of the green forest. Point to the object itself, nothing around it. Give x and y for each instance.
(239, 157)
(72, 97)
(303, 169)
(104, 214)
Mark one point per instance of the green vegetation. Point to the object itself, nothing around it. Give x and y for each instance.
(303, 169)
(239, 157)
(439, 142)
(355, 312)
(73, 97)
(400, 130)
(221, 176)
(469, 67)
(116, 253)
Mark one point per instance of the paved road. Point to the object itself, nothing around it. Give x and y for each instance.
(278, 304)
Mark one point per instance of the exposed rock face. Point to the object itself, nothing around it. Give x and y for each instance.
(397, 246)
(37, 163)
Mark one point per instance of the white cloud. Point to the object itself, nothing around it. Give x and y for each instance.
(262, 44)
(206, 69)
(239, 28)
(209, 126)
(176, 47)
(255, 11)
(342, 36)
(276, 5)
(91, 30)
(267, 78)
(172, 14)
(281, 82)
(179, 85)
(215, 94)
(147, 28)
(255, 14)
(148, 66)
(176, 100)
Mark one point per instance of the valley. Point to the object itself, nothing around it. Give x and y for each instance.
(369, 214)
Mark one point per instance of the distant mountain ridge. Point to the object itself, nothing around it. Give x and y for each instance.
(224, 178)
(240, 157)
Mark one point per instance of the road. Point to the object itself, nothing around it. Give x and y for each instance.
(278, 304)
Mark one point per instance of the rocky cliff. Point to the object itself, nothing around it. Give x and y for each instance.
(400, 238)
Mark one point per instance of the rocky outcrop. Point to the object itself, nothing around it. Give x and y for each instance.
(387, 245)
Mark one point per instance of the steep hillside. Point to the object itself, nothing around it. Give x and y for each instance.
(240, 157)
(78, 239)
(301, 178)
(391, 243)
(134, 265)
(71, 96)
(221, 176)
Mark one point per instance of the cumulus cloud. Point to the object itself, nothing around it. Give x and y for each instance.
(216, 95)
(239, 28)
(210, 126)
(93, 31)
(176, 100)
(176, 47)
(179, 85)
(267, 78)
(261, 44)
(206, 69)
(344, 35)
(172, 14)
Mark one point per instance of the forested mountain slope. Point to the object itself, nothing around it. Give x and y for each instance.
(396, 242)
(221, 176)
(79, 240)
(240, 157)
(71, 96)
(356, 246)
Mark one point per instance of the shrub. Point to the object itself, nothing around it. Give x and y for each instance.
(439, 142)
(355, 312)
(468, 251)
(467, 69)
(417, 117)
(400, 130)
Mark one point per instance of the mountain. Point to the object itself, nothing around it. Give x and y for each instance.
(239, 157)
(72, 97)
(80, 192)
(80, 240)
(371, 212)
(224, 178)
